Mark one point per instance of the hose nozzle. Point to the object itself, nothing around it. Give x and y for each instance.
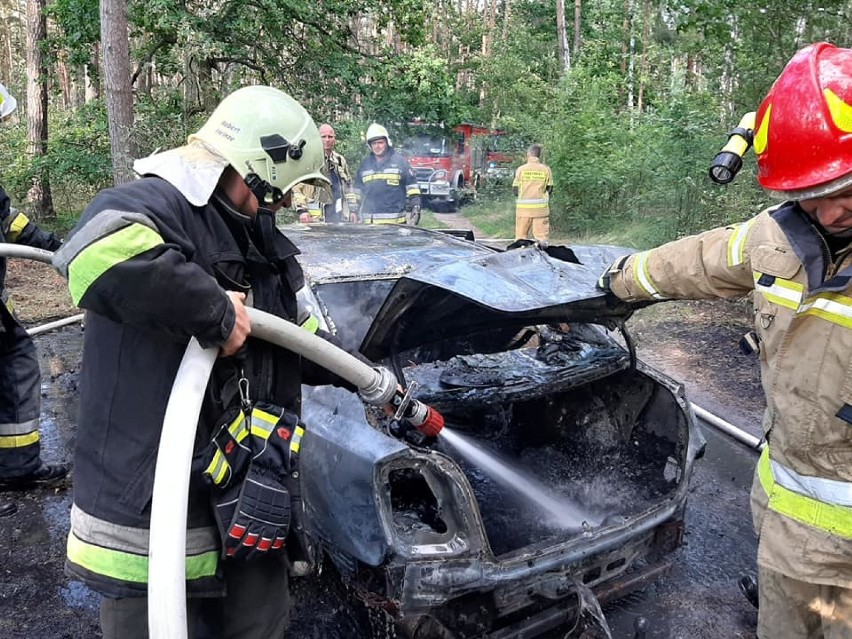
(428, 420)
(415, 413)
(729, 160)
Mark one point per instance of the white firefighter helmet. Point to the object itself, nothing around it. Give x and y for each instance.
(7, 102)
(269, 139)
(376, 131)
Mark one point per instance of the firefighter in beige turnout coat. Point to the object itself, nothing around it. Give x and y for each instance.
(797, 259)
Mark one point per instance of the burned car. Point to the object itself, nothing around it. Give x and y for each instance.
(565, 462)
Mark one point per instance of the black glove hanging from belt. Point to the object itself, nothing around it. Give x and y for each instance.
(260, 449)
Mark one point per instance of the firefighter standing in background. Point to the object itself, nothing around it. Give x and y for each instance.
(533, 185)
(796, 258)
(386, 184)
(20, 385)
(155, 262)
(317, 203)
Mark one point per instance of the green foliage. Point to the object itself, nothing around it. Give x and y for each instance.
(77, 161)
(649, 171)
(493, 214)
(428, 220)
(78, 156)
(619, 168)
(415, 85)
(79, 28)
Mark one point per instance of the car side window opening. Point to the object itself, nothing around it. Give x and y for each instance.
(352, 307)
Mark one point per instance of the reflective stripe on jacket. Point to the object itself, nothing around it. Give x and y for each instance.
(151, 270)
(387, 188)
(115, 558)
(802, 493)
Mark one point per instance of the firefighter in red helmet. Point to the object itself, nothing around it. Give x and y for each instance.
(796, 258)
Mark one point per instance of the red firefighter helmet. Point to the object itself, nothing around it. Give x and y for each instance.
(803, 134)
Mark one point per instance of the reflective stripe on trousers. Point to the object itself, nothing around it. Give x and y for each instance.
(385, 218)
(20, 401)
(121, 552)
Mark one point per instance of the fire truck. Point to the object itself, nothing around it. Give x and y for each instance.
(450, 165)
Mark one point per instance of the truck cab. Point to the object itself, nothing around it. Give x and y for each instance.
(449, 164)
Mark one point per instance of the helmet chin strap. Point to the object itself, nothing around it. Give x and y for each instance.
(263, 190)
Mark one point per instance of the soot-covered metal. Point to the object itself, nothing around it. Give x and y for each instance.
(563, 462)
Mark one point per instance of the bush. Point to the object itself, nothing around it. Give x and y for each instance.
(647, 172)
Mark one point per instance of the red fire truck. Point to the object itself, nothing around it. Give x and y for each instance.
(450, 165)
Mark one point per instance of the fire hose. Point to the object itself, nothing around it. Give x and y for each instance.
(167, 542)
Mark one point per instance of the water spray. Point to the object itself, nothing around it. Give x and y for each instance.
(564, 512)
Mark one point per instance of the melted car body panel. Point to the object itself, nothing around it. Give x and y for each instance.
(500, 343)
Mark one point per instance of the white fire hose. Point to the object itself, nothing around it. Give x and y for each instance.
(39, 255)
(167, 542)
(167, 568)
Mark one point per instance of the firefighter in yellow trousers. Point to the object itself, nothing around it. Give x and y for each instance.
(533, 185)
(796, 258)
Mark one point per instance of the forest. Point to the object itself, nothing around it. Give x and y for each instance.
(631, 99)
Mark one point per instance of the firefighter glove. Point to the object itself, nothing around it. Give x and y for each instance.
(254, 517)
(603, 282)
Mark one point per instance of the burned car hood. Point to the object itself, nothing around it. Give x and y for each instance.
(516, 287)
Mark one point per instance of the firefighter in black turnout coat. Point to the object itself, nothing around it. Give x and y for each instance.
(155, 262)
(20, 377)
(386, 184)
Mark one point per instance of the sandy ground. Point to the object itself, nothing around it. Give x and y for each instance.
(39, 293)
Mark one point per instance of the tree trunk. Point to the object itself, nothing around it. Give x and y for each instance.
(119, 98)
(631, 53)
(577, 16)
(92, 73)
(39, 194)
(625, 37)
(66, 90)
(727, 82)
(6, 59)
(507, 16)
(562, 37)
(643, 59)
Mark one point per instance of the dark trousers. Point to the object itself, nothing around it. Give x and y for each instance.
(257, 606)
(20, 399)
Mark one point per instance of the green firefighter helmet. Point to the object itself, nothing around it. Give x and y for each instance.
(7, 102)
(376, 131)
(269, 139)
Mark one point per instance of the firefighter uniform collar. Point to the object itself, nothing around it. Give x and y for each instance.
(810, 245)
